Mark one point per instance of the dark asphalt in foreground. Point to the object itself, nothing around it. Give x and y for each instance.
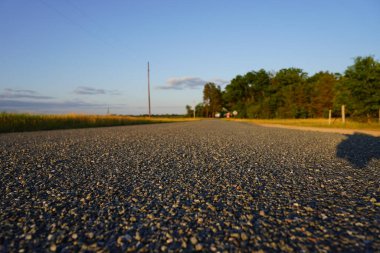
(205, 186)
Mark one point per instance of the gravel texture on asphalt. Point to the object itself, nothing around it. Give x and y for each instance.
(198, 186)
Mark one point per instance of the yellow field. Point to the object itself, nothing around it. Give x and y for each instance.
(13, 122)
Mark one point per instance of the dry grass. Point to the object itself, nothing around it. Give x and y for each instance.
(14, 122)
(335, 123)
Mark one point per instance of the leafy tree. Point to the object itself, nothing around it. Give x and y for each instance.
(236, 94)
(246, 93)
(322, 85)
(287, 86)
(189, 111)
(212, 99)
(362, 85)
(258, 83)
(200, 110)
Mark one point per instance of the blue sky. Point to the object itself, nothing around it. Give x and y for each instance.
(61, 56)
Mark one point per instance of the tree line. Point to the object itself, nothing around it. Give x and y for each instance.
(292, 93)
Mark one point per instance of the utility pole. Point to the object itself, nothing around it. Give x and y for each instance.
(330, 117)
(196, 107)
(343, 115)
(149, 90)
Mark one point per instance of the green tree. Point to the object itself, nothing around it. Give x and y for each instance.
(189, 111)
(236, 94)
(322, 85)
(212, 99)
(288, 94)
(246, 93)
(200, 110)
(258, 82)
(361, 84)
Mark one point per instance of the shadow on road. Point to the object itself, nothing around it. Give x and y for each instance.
(359, 149)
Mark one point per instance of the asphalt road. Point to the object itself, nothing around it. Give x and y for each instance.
(206, 186)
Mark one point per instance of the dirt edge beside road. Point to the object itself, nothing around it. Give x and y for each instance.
(320, 129)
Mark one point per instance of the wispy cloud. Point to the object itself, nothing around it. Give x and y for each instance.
(20, 91)
(53, 106)
(182, 83)
(73, 103)
(84, 90)
(16, 94)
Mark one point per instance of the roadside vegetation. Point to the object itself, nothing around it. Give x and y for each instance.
(292, 94)
(14, 122)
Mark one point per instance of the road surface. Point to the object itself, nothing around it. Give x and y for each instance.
(197, 186)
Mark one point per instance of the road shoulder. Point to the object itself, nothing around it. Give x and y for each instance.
(326, 130)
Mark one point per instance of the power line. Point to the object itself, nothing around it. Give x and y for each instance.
(84, 14)
(74, 23)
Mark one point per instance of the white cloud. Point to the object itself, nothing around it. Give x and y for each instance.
(50, 107)
(182, 83)
(9, 93)
(84, 90)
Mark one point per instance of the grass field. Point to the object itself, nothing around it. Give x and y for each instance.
(14, 122)
(335, 123)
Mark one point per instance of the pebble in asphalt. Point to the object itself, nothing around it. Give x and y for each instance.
(198, 186)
